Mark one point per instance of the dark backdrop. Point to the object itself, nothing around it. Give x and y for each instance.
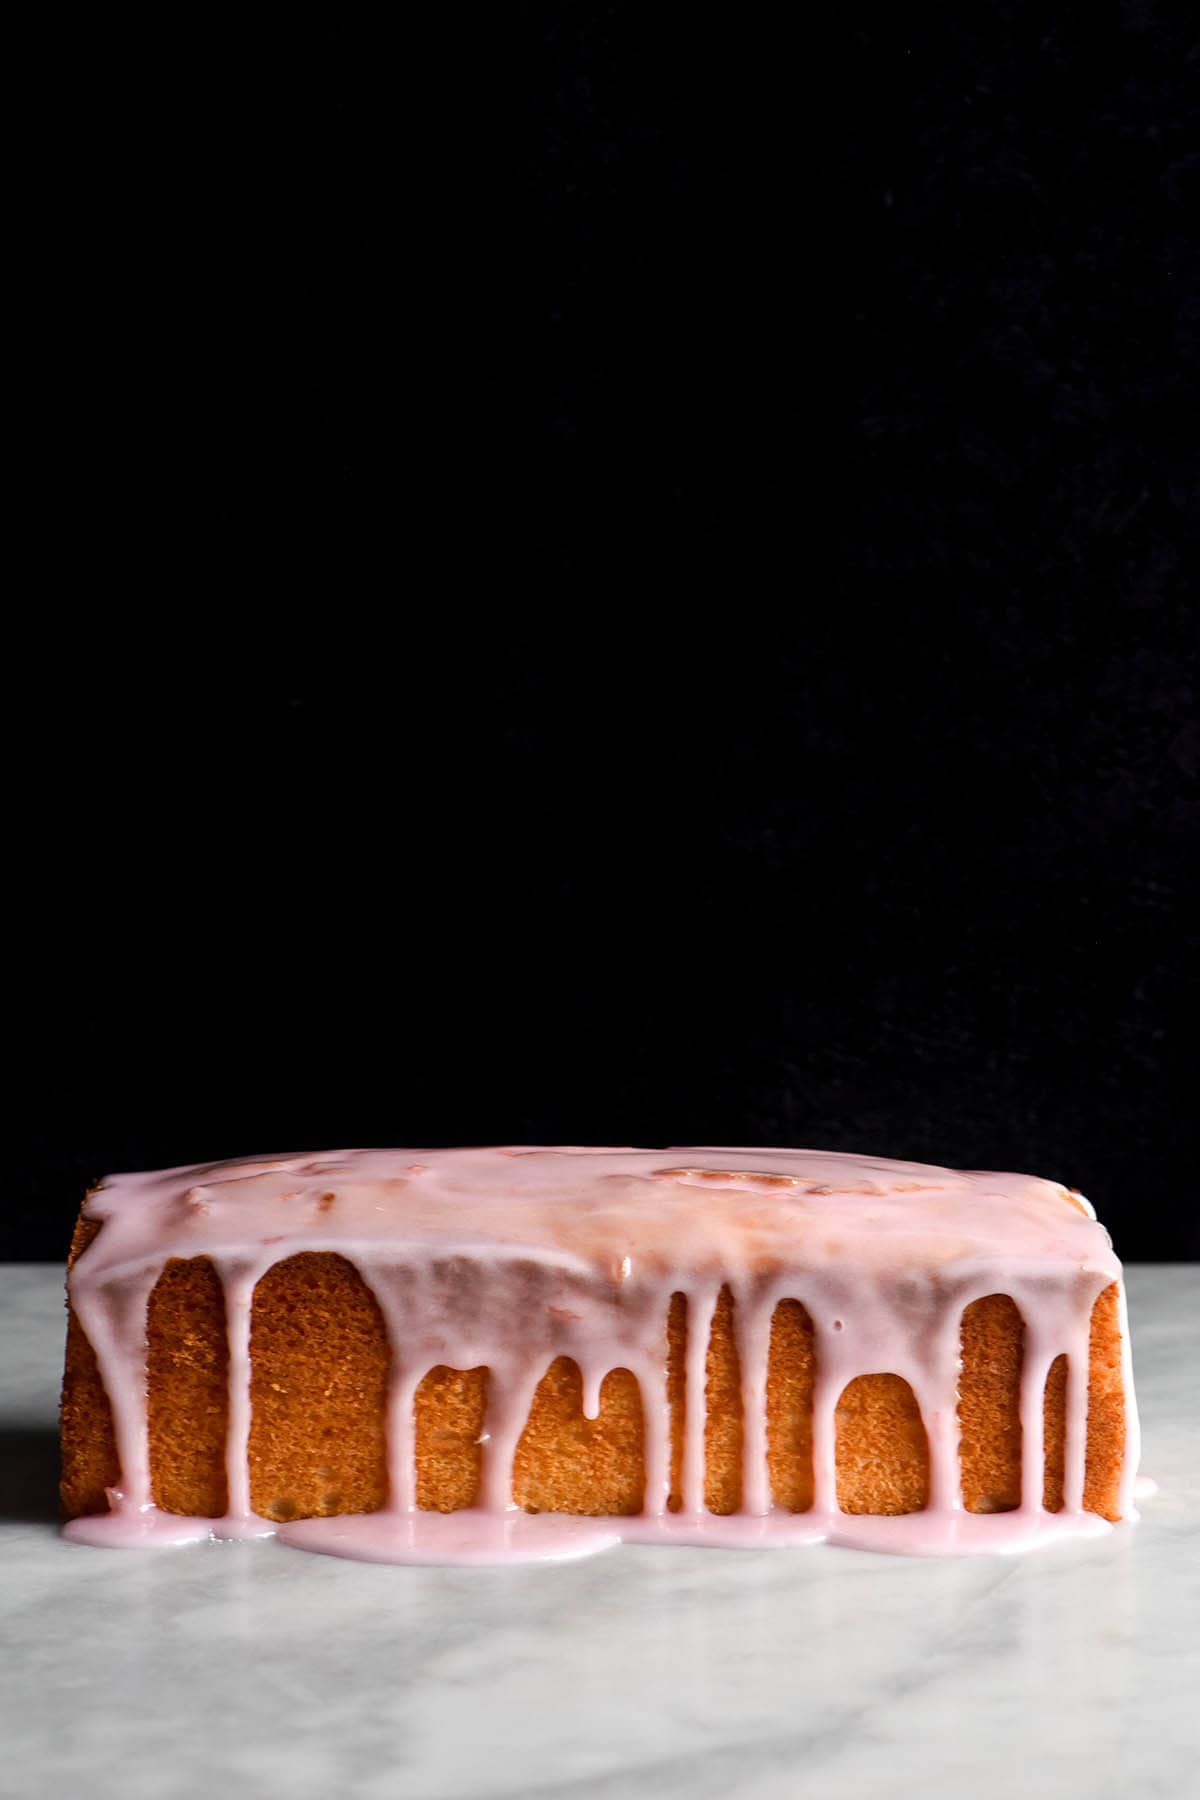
(631, 586)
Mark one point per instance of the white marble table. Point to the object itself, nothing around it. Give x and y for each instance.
(249, 1670)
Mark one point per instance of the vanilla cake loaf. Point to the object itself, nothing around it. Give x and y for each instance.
(489, 1354)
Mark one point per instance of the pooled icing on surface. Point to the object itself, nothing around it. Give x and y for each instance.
(513, 1257)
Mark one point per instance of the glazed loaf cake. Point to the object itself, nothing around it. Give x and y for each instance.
(715, 1345)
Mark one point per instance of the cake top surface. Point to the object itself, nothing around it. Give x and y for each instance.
(617, 1211)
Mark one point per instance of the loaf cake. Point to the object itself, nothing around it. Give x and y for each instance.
(495, 1353)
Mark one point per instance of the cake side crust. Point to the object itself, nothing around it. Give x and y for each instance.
(292, 1474)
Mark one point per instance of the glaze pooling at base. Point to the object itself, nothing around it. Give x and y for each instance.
(510, 1258)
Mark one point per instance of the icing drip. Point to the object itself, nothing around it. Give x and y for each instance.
(509, 1259)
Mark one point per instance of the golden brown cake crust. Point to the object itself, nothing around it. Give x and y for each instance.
(188, 1400)
(989, 1404)
(568, 1463)
(320, 1370)
(791, 1379)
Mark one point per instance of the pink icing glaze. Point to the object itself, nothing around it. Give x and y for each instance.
(513, 1257)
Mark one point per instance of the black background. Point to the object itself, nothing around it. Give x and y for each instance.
(630, 583)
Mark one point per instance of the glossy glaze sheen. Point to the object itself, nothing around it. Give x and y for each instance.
(513, 1257)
